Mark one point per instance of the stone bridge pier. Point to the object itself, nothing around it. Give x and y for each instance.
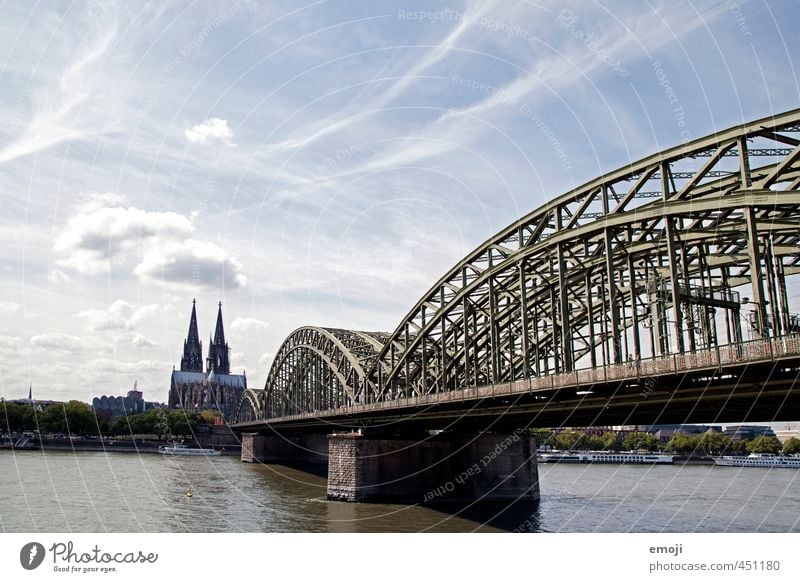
(443, 468)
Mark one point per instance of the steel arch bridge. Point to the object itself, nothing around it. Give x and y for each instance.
(685, 253)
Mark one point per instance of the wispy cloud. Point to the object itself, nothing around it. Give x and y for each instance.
(58, 114)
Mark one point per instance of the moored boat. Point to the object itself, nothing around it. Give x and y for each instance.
(759, 460)
(181, 449)
(605, 458)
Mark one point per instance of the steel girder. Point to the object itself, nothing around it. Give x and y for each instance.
(251, 406)
(320, 368)
(651, 259)
(576, 279)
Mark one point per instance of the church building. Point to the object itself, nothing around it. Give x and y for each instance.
(216, 388)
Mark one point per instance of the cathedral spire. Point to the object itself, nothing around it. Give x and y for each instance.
(218, 360)
(192, 360)
(219, 333)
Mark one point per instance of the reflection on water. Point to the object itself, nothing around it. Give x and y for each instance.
(98, 492)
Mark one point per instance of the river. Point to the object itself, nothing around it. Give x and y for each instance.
(99, 492)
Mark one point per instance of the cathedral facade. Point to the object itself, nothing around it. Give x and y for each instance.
(215, 388)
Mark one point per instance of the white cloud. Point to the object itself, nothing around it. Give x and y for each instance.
(121, 319)
(57, 341)
(248, 325)
(99, 234)
(8, 342)
(191, 263)
(116, 366)
(9, 308)
(211, 129)
(142, 342)
(265, 361)
(57, 277)
(116, 318)
(96, 235)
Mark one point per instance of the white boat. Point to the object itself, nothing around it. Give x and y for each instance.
(180, 449)
(759, 460)
(605, 458)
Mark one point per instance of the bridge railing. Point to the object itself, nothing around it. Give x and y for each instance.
(755, 351)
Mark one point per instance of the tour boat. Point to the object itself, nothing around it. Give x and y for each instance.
(607, 458)
(179, 449)
(759, 460)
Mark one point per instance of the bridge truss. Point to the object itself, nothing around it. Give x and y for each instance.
(682, 252)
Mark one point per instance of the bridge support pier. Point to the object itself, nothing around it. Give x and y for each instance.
(488, 467)
(305, 449)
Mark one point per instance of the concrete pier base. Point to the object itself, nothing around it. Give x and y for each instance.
(489, 467)
(305, 449)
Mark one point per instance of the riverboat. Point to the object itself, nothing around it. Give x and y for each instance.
(180, 449)
(759, 460)
(605, 458)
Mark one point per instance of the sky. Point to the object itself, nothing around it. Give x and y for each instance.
(317, 163)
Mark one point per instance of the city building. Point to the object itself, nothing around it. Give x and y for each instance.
(215, 388)
(132, 403)
(664, 432)
(787, 432)
(743, 431)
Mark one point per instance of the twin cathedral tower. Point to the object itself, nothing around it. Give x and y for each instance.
(216, 388)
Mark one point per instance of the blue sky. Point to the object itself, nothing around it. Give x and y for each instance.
(317, 163)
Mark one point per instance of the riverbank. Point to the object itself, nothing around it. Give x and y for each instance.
(96, 446)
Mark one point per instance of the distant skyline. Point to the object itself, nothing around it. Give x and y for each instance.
(317, 164)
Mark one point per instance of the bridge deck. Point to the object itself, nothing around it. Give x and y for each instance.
(686, 386)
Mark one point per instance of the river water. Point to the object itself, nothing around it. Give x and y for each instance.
(99, 492)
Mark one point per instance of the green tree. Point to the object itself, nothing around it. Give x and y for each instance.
(640, 440)
(738, 446)
(714, 443)
(765, 444)
(74, 417)
(571, 439)
(16, 417)
(119, 426)
(133, 424)
(595, 442)
(183, 422)
(209, 416)
(682, 443)
(791, 446)
(612, 441)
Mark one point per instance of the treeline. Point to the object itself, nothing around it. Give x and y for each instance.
(78, 418)
(709, 443)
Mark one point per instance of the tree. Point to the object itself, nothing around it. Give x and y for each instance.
(765, 444)
(612, 441)
(714, 443)
(682, 443)
(791, 446)
(183, 422)
(640, 440)
(737, 446)
(209, 416)
(16, 417)
(567, 440)
(595, 442)
(74, 417)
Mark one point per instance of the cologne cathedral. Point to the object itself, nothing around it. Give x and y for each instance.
(216, 388)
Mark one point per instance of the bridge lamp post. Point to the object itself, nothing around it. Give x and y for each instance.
(757, 323)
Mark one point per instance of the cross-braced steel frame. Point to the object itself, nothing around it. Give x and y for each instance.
(685, 250)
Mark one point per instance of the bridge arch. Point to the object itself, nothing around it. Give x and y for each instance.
(320, 368)
(651, 259)
(251, 406)
(687, 249)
